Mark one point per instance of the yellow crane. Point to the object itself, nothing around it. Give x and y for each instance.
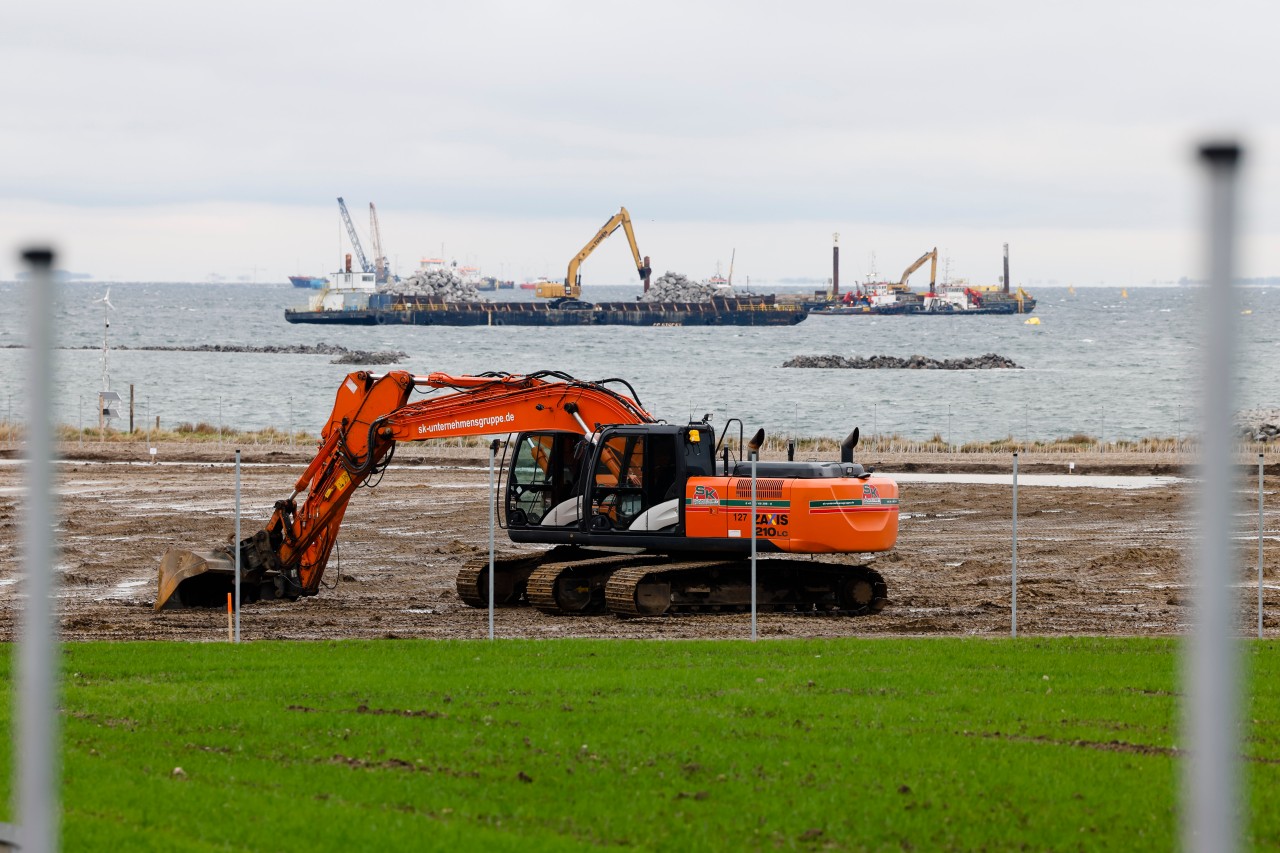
(931, 255)
(572, 287)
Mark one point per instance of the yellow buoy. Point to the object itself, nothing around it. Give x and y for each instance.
(1124, 294)
(1033, 321)
(1247, 311)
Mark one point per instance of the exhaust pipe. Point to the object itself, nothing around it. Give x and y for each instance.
(847, 446)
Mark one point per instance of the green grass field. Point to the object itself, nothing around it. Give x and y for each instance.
(524, 745)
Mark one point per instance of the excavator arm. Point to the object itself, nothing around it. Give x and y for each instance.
(371, 414)
(572, 285)
(931, 255)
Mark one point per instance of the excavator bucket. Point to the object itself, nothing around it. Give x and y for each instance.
(194, 578)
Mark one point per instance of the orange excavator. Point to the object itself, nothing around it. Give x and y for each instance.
(645, 517)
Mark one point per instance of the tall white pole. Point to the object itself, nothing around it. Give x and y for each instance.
(753, 544)
(1014, 622)
(1211, 708)
(493, 456)
(37, 808)
(237, 544)
(1261, 471)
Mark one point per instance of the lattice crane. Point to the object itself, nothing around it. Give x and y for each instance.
(379, 259)
(365, 266)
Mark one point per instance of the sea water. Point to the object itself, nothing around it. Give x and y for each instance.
(1099, 363)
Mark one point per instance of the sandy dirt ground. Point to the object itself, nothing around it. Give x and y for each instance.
(1090, 560)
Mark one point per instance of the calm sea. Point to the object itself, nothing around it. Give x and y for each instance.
(1097, 364)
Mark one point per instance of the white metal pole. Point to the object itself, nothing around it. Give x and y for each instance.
(291, 422)
(1261, 471)
(37, 786)
(754, 456)
(1014, 622)
(1211, 707)
(237, 544)
(493, 456)
(82, 420)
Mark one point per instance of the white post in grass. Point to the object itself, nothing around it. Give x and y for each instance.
(1014, 622)
(1260, 528)
(1211, 777)
(237, 545)
(37, 807)
(753, 543)
(493, 456)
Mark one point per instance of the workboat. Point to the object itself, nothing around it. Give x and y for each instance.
(311, 282)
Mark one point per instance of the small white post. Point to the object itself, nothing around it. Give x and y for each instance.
(493, 456)
(1014, 622)
(1210, 719)
(291, 422)
(82, 420)
(219, 423)
(753, 544)
(1261, 471)
(36, 736)
(237, 545)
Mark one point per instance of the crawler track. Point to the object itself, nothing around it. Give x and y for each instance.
(569, 581)
(788, 585)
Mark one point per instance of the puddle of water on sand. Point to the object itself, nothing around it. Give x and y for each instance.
(1072, 481)
(131, 584)
(419, 610)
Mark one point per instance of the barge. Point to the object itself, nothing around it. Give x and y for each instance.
(386, 309)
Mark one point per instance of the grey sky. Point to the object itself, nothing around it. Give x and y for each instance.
(154, 140)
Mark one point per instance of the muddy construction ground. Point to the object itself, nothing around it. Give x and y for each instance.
(1090, 560)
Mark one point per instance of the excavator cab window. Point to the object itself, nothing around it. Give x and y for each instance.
(633, 473)
(543, 474)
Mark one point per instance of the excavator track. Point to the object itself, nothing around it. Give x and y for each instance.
(512, 571)
(516, 584)
(578, 587)
(799, 586)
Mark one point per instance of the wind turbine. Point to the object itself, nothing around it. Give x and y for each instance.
(106, 412)
(105, 301)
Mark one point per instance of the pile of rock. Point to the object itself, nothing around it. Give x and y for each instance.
(989, 361)
(1261, 425)
(360, 356)
(442, 283)
(674, 287)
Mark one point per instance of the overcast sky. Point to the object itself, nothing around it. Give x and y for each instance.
(167, 141)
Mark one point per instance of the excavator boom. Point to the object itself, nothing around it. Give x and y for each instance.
(371, 413)
(572, 287)
(931, 255)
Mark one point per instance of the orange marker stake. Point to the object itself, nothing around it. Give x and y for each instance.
(230, 638)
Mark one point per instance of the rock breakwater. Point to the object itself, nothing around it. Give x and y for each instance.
(990, 361)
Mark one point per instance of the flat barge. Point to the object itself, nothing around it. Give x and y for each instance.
(386, 309)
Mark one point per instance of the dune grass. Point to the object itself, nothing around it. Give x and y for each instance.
(807, 744)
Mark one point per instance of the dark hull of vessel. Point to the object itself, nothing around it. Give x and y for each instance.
(420, 311)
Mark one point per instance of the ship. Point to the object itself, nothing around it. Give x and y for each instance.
(953, 297)
(358, 303)
(310, 282)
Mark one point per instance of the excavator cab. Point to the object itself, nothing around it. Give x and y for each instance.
(629, 480)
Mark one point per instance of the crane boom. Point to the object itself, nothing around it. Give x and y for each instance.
(365, 266)
(379, 259)
(572, 287)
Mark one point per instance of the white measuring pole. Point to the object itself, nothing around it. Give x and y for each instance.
(754, 455)
(37, 786)
(237, 545)
(1014, 622)
(493, 456)
(1211, 776)
(1260, 529)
